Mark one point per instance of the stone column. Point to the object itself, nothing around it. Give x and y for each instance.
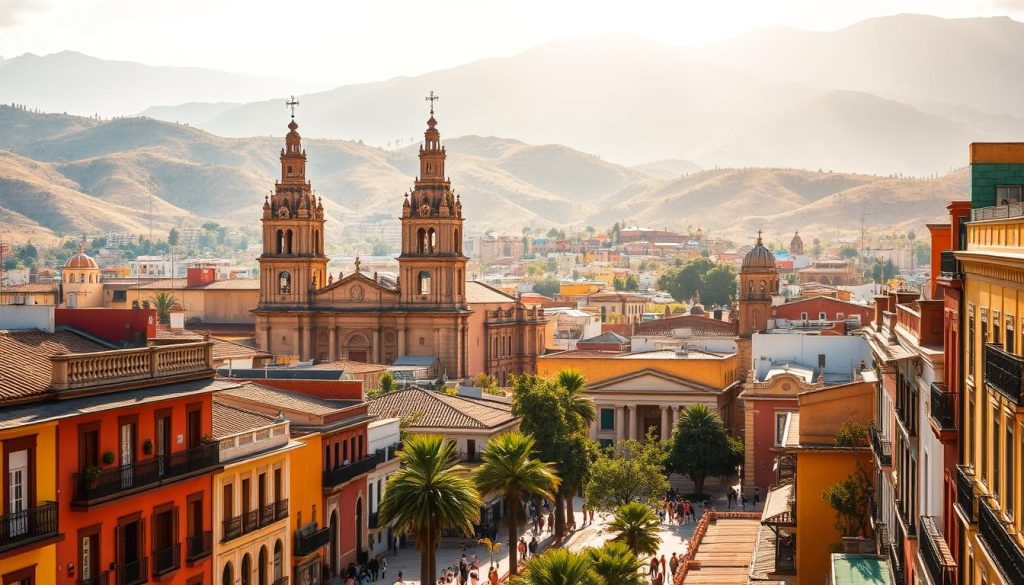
(375, 348)
(299, 342)
(620, 423)
(594, 423)
(665, 424)
(675, 415)
(632, 422)
(332, 352)
(401, 341)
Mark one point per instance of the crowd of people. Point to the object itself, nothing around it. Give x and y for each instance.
(365, 573)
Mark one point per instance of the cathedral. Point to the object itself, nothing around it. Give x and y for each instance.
(432, 310)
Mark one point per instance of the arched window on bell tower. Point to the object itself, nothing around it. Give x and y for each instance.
(431, 240)
(284, 283)
(288, 242)
(280, 242)
(424, 282)
(458, 242)
(421, 241)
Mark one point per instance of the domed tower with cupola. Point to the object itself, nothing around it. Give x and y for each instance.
(80, 281)
(796, 245)
(432, 266)
(293, 263)
(759, 283)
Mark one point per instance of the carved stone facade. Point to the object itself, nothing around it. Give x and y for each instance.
(432, 311)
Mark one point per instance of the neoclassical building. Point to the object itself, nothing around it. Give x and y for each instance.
(431, 311)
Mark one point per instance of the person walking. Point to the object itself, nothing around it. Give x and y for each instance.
(521, 547)
(654, 566)
(399, 581)
(663, 564)
(533, 546)
(673, 565)
(373, 565)
(383, 567)
(492, 575)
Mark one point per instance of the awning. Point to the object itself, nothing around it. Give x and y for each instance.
(777, 511)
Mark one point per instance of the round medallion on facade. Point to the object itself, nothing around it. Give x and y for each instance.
(424, 210)
(356, 294)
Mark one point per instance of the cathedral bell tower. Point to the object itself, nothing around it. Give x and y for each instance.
(293, 263)
(759, 282)
(432, 267)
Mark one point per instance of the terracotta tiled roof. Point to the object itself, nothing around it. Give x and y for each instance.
(291, 401)
(701, 326)
(25, 369)
(31, 287)
(229, 420)
(439, 410)
(222, 348)
(617, 296)
(478, 292)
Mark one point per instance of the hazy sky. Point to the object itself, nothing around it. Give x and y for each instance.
(344, 41)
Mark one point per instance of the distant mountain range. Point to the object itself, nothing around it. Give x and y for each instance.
(65, 176)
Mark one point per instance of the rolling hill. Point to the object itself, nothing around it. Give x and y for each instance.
(71, 176)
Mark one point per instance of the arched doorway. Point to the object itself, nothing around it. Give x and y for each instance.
(357, 348)
(278, 560)
(227, 578)
(261, 568)
(359, 528)
(334, 543)
(246, 570)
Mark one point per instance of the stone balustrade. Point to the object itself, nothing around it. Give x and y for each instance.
(248, 442)
(80, 371)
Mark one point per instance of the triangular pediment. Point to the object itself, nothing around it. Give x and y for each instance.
(356, 288)
(649, 381)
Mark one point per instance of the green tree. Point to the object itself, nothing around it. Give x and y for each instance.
(702, 448)
(618, 283)
(851, 499)
(631, 471)
(615, 563)
(636, 526)
(559, 566)
(387, 384)
(163, 302)
(429, 493)
(848, 251)
(682, 283)
(173, 236)
(509, 469)
(548, 287)
(852, 434)
(719, 285)
(577, 450)
(631, 283)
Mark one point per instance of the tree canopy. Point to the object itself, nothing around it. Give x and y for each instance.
(636, 526)
(702, 448)
(631, 471)
(716, 282)
(548, 287)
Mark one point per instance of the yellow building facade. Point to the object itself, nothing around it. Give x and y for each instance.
(989, 496)
(29, 527)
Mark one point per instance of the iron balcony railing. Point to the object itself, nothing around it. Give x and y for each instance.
(938, 561)
(882, 448)
(199, 546)
(167, 559)
(98, 579)
(1001, 545)
(308, 542)
(949, 266)
(28, 525)
(254, 520)
(998, 212)
(95, 484)
(344, 473)
(1004, 372)
(943, 408)
(906, 519)
(133, 573)
(966, 500)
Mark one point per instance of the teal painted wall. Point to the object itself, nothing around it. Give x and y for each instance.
(985, 177)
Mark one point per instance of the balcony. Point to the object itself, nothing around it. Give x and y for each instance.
(905, 516)
(938, 561)
(949, 266)
(881, 448)
(97, 485)
(167, 559)
(28, 526)
(966, 501)
(199, 546)
(388, 453)
(100, 579)
(943, 412)
(465, 457)
(1004, 372)
(309, 541)
(345, 473)
(133, 573)
(253, 520)
(71, 373)
(998, 212)
(1003, 547)
(373, 520)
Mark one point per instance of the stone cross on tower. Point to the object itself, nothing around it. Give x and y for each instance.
(431, 98)
(291, 103)
(357, 264)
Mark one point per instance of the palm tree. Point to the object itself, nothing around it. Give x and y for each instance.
(559, 566)
(509, 469)
(429, 493)
(636, 526)
(163, 302)
(491, 546)
(582, 409)
(615, 563)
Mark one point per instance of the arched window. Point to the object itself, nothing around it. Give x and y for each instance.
(432, 240)
(316, 241)
(279, 246)
(278, 560)
(458, 242)
(421, 241)
(762, 287)
(284, 285)
(289, 170)
(261, 567)
(424, 282)
(288, 242)
(246, 573)
(750, 287)
(228, 578)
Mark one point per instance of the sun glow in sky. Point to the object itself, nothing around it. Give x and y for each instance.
(332, 42)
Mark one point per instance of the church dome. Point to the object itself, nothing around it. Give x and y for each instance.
(796, 245)
(758, 258)
(81, 260)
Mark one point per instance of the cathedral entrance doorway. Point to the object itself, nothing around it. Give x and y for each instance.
(357, 356)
